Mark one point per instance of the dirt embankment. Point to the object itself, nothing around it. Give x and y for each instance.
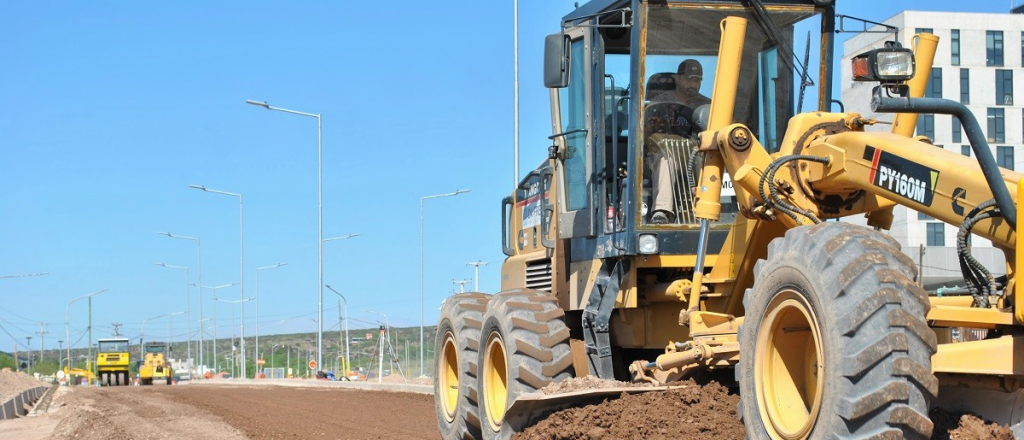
(12, 384)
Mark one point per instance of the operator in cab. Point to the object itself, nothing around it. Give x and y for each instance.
(674, 116)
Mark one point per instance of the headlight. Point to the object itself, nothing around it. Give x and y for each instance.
(648, 244)
(884, 65)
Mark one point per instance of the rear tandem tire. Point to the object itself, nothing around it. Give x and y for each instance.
(835, 340)
(457, 342)
(525, 347)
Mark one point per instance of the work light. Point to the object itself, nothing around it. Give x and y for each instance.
(889, 65)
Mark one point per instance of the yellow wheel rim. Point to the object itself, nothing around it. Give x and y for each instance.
(448, 376)
(788, 373)
(495, 381)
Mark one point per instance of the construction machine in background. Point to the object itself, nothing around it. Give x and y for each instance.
(113, 362)
(154, 367)
(665, 238)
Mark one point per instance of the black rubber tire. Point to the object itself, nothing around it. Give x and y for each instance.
(536, 340)
(462, 318)
(875, 343)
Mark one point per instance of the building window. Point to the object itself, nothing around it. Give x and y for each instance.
(1004, 87)
(935, 84)
(954, 46)
(936, 234)
(924, 31)
(994, 48)
(926, 125)
(996, 127)
(1004, 157)
(965, 86)
(1022, 49)
(956, 130)
(923, 216)
(965, 150)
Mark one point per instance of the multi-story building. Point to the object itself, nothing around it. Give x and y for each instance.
(980, 63)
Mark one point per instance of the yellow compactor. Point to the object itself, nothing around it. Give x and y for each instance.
(113, 361)
(692, 218)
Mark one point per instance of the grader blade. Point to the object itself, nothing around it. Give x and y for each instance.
(529, 408)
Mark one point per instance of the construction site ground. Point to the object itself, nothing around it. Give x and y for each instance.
(307, 409)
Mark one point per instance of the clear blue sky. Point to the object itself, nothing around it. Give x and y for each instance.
(109, 110)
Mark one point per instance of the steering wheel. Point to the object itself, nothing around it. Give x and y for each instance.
(670, 118)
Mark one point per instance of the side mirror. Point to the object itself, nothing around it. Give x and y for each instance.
(556, 61)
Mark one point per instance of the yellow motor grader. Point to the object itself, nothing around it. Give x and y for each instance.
(712, 229)
(155, 367)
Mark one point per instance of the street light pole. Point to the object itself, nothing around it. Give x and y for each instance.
(256, 356)
(348, 366)
(476, 273)
(188, 309)
(451, 194)
(199, 245)
(320, 218)
(241, 260)
(67, 321)
(215, 288)
(202, 335)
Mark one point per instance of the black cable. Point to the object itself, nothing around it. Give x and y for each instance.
(979, 279)
(776, 201)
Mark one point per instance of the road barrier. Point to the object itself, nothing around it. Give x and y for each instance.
(21, 403)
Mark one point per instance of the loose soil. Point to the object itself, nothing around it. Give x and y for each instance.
(950, 426)
(693, 411)
(690, 411)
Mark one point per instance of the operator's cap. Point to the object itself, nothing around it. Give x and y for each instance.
(691, 68)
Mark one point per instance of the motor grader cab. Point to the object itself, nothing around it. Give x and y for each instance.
(820, 323)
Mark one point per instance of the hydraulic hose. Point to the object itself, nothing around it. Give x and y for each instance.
(989, 168)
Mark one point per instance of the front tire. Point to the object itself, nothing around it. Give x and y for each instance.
(525, 348)
(457, 342)
(835, 340)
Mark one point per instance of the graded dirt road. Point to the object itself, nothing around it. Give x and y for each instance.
(222, 410)
(238, 412)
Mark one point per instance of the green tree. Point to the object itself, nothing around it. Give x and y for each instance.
(6, 361)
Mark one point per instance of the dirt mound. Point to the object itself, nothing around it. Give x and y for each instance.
(12, 383)
(690, 411)
(950, 426)
(693, 411)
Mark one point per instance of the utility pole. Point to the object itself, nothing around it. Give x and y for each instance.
(42, 339)
(462, 285)
(117, 329)
(476, 273)
(90, 360)
(28, 344)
